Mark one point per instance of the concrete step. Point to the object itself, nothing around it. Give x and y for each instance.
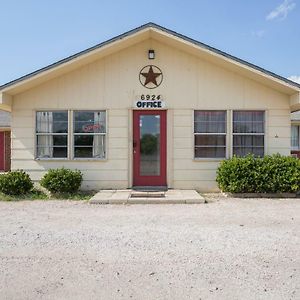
(168, 197)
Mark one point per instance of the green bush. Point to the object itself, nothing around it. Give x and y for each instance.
(15, 183)
(270, 174)
(62, 180)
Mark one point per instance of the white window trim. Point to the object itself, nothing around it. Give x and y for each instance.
(298, 147)
(249, 134)
(36, 134)
(213, 134)
(73, 134)
(70, 137)
(230, 134)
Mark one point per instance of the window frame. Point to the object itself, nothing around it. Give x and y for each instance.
(248, 134)
(212, 134)
(298, 129)
(36, 134)
(73, 134)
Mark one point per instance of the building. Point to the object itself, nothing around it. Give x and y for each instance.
(4, 141)
(150, 107)
(295, 134)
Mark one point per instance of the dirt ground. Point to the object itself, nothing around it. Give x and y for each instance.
(228, 249)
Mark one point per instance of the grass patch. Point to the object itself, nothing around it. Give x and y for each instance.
(36, 194)
(80, 195)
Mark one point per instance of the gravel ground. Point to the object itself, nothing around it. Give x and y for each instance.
(227, 249)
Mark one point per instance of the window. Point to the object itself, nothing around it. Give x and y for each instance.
(210, 134)
(52, 134)
(248, 132)
(89, 134)
(295, 137)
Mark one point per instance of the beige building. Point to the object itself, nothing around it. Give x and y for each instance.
(4, 141)
(147, 108)
(295, 134)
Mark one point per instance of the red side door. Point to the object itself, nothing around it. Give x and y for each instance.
(149, 148)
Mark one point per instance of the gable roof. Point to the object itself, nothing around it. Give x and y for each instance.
(10, 86)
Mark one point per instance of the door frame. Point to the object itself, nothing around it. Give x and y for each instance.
(160, 180)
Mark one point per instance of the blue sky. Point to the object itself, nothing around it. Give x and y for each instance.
(35, 33)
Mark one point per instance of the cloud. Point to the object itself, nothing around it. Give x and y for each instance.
(295, 78)
(281, 11)
(258, 33)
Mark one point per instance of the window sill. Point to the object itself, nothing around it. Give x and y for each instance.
(72, 160)
(51, 159)
(89, 159)
(208, 159)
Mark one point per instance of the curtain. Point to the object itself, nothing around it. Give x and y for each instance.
(295, 137)
(212, 126)
(248, 122)
(98, 141)
(248, 140)
(210, 122)
(45, 142)
(245, 144)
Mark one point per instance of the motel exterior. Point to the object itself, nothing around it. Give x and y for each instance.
(5, 141)
(150, 107)
(295, 134)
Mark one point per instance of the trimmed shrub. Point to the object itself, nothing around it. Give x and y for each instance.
(59, 181)
(270, 174)
(15, 183)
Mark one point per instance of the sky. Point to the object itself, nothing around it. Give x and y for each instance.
(36, 33)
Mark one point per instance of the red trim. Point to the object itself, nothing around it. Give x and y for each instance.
(2, 151)
(297, 152)
(139, 180)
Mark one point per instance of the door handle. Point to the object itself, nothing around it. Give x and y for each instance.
(134, 144)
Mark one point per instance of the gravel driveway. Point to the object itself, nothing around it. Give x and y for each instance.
(228, 249)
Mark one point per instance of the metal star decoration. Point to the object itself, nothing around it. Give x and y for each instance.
(151, 77)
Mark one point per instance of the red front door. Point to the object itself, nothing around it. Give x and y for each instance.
(149, 148)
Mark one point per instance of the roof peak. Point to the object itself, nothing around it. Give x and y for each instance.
(163, 29)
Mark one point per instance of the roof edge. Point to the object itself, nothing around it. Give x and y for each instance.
(227, 55)
(73, 56)
(158, 27)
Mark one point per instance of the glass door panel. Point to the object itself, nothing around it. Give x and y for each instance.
(149, 145)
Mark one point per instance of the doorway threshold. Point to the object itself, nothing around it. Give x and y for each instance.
(150, 188)
(147, 194)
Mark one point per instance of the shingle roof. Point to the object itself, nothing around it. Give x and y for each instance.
(158, 27)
